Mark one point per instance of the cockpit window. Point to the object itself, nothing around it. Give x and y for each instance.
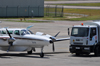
(24, 32)
(17, 32)
(30, 32)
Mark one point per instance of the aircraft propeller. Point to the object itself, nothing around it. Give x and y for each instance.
(53, 40)
(10, 40)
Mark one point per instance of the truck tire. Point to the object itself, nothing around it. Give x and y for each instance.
(97, 51)
(77, 54)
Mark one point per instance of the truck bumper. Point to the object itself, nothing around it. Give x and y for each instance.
(81, 49)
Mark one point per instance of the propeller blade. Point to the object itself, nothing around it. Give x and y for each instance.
(57, 34)
(53, 47)
(8, 33)
(53, 40)
(9, 48)
(10, 40)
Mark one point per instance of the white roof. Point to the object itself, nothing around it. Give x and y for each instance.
(97, 22)
(84, 26)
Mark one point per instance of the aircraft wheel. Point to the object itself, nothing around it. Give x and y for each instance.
(42, 55)
(29, 52)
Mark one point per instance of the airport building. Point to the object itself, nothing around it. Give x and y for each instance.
(21, 8)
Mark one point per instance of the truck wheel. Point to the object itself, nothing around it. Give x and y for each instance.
(87, 53)
(77, 54)
(97, 51)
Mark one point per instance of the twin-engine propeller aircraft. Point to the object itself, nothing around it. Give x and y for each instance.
(19, 39)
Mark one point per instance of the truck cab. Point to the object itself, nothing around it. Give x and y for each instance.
(84, 39)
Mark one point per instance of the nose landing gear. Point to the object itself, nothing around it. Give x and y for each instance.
(42, 54)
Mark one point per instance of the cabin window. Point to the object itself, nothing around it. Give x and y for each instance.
(10, 31)
(3, 32)
(0, 32)
(17, 32)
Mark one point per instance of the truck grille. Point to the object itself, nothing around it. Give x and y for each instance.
(78, 43)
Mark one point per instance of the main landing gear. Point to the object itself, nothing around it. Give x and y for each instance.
(41, 54)
(29, 52)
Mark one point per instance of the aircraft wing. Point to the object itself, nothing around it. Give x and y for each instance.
(62, 39)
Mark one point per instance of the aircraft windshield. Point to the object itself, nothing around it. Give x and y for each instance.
(80, 32)
(24, 32)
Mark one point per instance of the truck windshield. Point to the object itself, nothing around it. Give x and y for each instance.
(80, 32)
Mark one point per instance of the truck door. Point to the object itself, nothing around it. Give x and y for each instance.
(93, 36)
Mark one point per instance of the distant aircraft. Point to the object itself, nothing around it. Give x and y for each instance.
(22, 39)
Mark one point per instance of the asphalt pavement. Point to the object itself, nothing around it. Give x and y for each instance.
(50, 3)
(75, 1)
(61, 56)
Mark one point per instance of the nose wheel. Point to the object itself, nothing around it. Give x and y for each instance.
(42, 54)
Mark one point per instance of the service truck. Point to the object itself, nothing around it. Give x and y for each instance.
(85, 38)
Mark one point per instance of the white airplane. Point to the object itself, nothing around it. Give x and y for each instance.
(20, 39)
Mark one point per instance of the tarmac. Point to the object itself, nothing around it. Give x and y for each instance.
(73, 1)
(50, 4)
(61, 56)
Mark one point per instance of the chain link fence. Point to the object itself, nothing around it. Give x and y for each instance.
(55, 11)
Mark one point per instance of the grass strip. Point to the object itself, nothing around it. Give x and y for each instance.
(80, 4)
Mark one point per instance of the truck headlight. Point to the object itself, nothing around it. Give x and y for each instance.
(73, 40)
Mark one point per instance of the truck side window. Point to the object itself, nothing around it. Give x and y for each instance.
(92, 33)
